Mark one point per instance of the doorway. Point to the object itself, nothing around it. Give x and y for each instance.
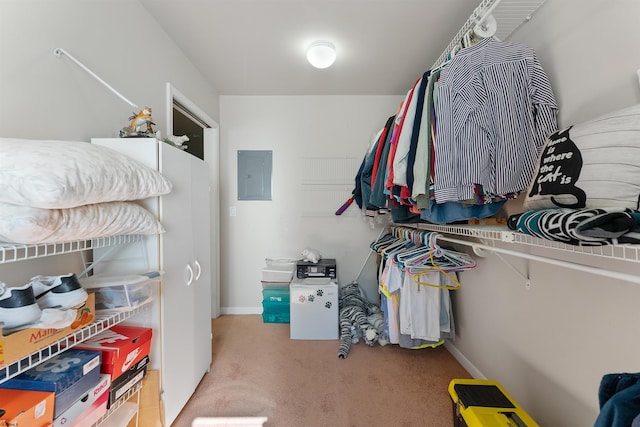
(186, 118)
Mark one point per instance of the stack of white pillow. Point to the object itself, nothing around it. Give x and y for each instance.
(60, 191)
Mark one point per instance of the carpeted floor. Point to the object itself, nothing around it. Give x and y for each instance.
(258, 371)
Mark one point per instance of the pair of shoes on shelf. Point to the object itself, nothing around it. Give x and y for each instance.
(62, 292)
(22, 305)
(18, 306)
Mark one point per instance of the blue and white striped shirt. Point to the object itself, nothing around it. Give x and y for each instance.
(496, 108)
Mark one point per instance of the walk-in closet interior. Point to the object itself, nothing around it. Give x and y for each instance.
(495, 171)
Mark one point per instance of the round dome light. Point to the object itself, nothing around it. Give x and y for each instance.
(321, 54)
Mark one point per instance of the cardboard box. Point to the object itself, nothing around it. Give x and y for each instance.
(20, 344)
(127, 380)
(26, 408)
(121, 347)
(94, 398)
(69, 375)
(93, 414)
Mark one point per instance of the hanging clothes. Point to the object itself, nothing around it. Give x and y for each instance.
(380, 149)
(421, 167)
(378, 197)
(400, 116)
(416, 132)
(415, 279)
(366, 174)
(495, 109)
(401, 158)
(465, 138)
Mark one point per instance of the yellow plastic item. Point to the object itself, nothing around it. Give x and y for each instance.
(484, 403)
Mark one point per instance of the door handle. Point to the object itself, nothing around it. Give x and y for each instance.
(199, 269)
(188, 270)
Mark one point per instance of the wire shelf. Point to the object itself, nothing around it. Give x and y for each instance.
(509, 14)
(101, 323)
(630, 253)
(118, 403)
(10, 252)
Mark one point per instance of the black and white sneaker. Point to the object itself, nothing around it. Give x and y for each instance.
(18, 306)
(61, 292)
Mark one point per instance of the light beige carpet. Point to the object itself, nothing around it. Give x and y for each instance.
(258, 371)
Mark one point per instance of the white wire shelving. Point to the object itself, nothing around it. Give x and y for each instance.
(484, 240)
(120, 402)
(508, 14)
(101, 323)
(10, 252)
(630, 253)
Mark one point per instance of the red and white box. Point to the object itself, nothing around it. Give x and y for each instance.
(121, 346)
(95, 400)
(93, 413)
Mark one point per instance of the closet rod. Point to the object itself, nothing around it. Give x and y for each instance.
(488, 12)
(566, 264)
(59, 52)
(478, 15)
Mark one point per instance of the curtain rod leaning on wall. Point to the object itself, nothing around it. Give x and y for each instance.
(59, 52)
(565, 264)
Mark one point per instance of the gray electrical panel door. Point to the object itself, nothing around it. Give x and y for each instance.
(254, 174)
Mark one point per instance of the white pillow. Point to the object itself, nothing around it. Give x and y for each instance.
(594, 164)
(24, 224)
(65, 174)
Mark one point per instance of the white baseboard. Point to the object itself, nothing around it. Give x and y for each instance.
(466, 363)
(241, 310)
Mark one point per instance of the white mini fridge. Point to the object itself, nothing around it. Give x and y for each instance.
(314, 309)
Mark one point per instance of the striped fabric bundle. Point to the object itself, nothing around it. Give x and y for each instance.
(356, 317)
(584, 227)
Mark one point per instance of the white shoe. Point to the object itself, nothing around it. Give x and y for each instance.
(18, 306)
(61, 292)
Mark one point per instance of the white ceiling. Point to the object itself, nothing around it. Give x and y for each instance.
(257, 47)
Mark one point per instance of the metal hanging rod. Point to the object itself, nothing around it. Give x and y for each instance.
(478, 16)
(633, 278)
(59, 52)
(489, 20)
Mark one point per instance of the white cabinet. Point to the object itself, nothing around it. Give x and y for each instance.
(183, 254)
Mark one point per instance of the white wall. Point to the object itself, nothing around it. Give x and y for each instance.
(318, 143)
(549, 346)
(46, 97)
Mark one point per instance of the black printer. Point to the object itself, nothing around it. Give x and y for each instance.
(325, 267)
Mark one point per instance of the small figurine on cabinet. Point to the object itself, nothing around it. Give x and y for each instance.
(137, 123)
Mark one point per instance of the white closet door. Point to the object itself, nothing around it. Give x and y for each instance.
(177, 283)
(202, 263)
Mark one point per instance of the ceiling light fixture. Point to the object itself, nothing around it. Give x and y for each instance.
(321, 54)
